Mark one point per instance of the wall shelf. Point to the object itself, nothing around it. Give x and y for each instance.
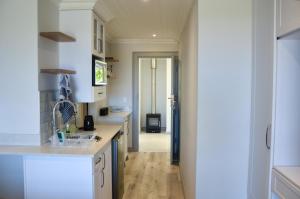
(57, 36)
(111, 60)
(58, 71)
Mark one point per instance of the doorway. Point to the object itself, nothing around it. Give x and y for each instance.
(156, 103)
(155, 106)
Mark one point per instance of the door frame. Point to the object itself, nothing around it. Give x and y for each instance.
(136, 90)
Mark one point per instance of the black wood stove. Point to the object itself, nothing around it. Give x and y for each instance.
(153, 123)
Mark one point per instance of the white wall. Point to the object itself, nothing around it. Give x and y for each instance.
(120, 89)
(188, 96)
(224, 98)
(145, 89)
(19, 102)
(48, 57)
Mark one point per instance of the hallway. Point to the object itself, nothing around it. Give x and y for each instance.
(155, 142)
(150, 176)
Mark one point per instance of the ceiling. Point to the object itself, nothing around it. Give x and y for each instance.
(140, 19)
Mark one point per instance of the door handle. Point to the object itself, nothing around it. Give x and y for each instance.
(268, 144)
(102, 179)
(104, 161)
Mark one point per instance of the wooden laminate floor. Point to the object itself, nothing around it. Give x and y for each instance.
(155, 142)
(150, 176)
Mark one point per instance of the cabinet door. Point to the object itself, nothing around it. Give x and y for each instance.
(262, 84)
(99, 93)
(107, 171)
(288, 16)
(95, 34)
(100, 38)
(126, 132)
(98, 178)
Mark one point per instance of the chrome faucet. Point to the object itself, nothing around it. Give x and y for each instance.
(53, 112)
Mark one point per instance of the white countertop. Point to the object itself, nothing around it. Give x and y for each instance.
(113, 117)
(106, 132)
(290, 173)
(117, 114)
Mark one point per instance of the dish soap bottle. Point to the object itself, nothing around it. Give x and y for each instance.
(68, 131)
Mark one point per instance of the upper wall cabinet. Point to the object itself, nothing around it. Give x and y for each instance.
(88, 30)
(288, 17)
(98, 37)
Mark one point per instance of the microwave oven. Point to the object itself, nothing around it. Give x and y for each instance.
(99, 70)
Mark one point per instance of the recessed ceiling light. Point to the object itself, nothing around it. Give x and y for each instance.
(145, 1)
(154, 35)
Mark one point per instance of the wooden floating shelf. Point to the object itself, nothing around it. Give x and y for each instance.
(111, 59)
(58, 71)
(57, 36)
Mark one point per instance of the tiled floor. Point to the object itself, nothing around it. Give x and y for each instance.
(155, 142)
(150, 176)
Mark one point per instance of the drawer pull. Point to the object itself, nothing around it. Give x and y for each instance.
(268, 144)
(98, 161)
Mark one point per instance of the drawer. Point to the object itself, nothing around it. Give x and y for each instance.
(99, 93)
(288, 16)
(283, 188)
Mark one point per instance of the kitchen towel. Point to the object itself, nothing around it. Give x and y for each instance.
(65, 93)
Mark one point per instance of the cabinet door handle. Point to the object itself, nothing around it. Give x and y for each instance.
(268, 145)
(104, 162)
(102, 179)
(98, 161)
(100, 93)
(99, 45)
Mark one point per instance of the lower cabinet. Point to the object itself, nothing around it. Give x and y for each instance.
(125, 120)
(286, 183)
(103, 174)
(126, 134)
(66, 177)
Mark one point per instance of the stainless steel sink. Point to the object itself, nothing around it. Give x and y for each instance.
(81, 136)
(77, 140)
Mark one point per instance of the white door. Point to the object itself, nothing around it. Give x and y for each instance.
(262, 91)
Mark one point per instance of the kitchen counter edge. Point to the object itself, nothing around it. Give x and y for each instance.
(106, 132)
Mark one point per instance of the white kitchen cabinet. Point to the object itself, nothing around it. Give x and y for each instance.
(275, 98)
(126, 132)
(99, 93)
(98, 178)
(75, 177)
(125, 119)
(103, 174)
(58, 177)
(286, 183)
(98, 37)
(288, 17)
(80, 23)
(262, 96)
